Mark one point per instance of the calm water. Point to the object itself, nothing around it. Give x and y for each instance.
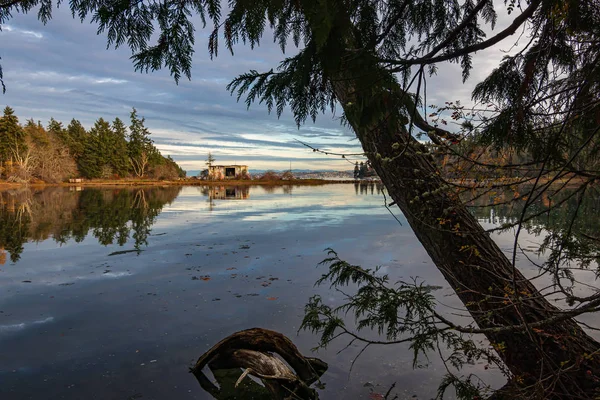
(114, 293)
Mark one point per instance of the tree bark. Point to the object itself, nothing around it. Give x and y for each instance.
(557, 361)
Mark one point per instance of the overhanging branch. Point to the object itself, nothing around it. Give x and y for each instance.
(432, 131)
(510, 30)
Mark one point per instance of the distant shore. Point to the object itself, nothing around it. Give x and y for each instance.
(182, 182)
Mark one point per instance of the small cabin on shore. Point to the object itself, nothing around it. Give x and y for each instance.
(220, 172)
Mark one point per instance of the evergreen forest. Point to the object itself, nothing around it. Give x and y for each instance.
(32, 152)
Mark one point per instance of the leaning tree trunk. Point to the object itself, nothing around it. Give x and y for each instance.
(559, 359)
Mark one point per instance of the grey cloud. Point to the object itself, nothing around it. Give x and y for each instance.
(284, 160)
(63, 70)
(242, 141)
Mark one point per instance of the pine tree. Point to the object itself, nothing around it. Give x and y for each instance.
(142, 153)
(362, 171)
(12, 136)
(210, 160)
(56, 128)
(77, 135)
(119, 148)
(13, 148)
(95, 160)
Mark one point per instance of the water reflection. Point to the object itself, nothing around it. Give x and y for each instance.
(229, 388)
(111, 216)
(569, 209)
(137, 320)
(366, 187)
(229, 192)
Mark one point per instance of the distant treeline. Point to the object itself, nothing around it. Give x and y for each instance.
(478, 158)
(56, 153)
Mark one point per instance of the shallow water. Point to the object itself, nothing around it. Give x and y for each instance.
(114, 293)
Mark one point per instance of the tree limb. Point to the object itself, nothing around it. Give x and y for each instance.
(457, 30)
(510, 30)
(423, 125)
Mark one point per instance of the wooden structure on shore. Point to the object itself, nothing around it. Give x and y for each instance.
(221, 172)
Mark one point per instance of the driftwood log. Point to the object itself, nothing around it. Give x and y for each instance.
(260, 353)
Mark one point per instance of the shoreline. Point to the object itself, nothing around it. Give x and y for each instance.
(185, 182)
(196, 182)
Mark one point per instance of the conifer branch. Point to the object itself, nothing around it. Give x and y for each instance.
(510, 30)
(458, 29)
(9, 4)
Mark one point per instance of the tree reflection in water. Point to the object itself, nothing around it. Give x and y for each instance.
(565, 224)
(115, 215)
(111, 216)
(367, 187)
(552, 213)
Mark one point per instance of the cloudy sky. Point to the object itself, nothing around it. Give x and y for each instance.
(63, 70)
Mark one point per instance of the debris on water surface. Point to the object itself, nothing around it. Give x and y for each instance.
(116, 253)
(259, 352)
